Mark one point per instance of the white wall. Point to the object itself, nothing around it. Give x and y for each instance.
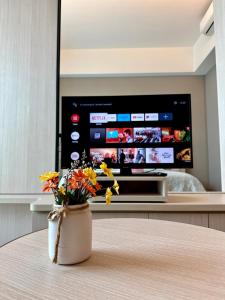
(154, 85)
(212, 130)
(28, 34)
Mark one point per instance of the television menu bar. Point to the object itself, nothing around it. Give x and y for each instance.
(100, 117)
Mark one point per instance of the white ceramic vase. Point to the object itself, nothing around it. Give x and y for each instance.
(75, 236)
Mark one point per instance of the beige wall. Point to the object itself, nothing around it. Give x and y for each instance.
(154, 85)
(213, 130)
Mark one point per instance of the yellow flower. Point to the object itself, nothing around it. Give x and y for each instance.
(49, 176)
(90, 173)
(116, 186)
(62, 190)
(105, 170)
(108, 196)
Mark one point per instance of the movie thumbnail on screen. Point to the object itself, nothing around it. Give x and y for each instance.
(109, 155)
(160, 155)
(147, 135)
(131, 155)
(119, 135)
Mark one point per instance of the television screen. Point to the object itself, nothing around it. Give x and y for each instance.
(148, 131)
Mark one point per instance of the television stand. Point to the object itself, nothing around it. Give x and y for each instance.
(136, 189)
(125, 171)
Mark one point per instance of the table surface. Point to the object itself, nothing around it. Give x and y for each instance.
(131, 259)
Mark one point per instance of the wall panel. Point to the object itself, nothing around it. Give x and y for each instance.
(219, 20)
(28, 31)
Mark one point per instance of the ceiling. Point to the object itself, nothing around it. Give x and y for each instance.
(130, 23)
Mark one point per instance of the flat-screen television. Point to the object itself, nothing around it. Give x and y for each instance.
(138, 131)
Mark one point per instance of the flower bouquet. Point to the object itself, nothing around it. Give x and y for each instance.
(71, 217)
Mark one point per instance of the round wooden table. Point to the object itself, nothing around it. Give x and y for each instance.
(131, 259)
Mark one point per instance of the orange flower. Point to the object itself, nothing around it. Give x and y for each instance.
(72, 183)
(98, 186)
(48, 186)
(89, 188)
(79, 175)
(76, 178)
(55, 180)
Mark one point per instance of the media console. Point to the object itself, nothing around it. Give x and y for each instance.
(136, 189)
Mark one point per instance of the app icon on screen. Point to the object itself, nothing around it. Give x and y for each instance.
(74, 155)
(165, 116)
(123, 117)
(75, 118)
(75, 136)
(97, 135)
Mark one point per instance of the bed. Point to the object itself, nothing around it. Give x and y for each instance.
(183, 182)
(177, 179)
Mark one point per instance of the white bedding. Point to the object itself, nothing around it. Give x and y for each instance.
(183, 182)
(177, 181)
